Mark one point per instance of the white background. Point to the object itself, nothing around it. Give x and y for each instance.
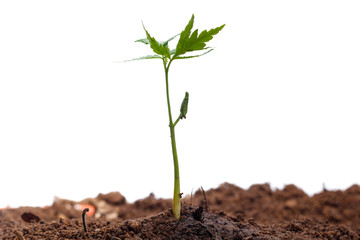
(277, 101)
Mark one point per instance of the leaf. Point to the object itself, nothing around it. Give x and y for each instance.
(146, 41)
(184, 106)
(156, 46)
(194, 42)
(193, 56)
(143, 40)
(172, 52)
(184, 35)
(167, 41)
(145, 57)
(199, 43)
(188, 42)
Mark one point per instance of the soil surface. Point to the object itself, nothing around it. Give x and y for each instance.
(229, 212)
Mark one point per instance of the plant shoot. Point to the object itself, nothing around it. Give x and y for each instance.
(188, 42)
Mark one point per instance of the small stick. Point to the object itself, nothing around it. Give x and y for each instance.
(206, 204)
(83, 218)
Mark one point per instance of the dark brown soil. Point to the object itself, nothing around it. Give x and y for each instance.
(230, 213)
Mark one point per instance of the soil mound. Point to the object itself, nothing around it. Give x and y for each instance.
(226, 212)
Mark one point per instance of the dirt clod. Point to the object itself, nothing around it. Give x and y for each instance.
(29, 217)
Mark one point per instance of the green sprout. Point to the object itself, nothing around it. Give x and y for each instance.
(188, 42)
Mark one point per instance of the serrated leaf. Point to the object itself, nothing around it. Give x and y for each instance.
(145, 57)
(194, 42)
(193, 56)
(199, 43)
(156, 46)
(184, 35)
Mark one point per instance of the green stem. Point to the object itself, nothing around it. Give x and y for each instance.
(177, 120)
(177, 196)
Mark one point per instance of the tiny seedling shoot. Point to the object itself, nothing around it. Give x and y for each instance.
(188, 42)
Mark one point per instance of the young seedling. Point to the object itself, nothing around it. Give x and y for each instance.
(83, 218)
(188, 42)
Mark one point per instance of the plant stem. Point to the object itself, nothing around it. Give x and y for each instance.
(176, 198)
(83, 218)
(177, 120)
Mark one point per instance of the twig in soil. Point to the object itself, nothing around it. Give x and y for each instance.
(206, 204)
(324, 188)
(192, 190)
(83, 218)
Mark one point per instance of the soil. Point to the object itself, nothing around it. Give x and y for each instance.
(229, 212)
